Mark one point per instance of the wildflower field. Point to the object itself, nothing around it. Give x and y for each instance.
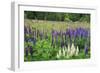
(56, 40)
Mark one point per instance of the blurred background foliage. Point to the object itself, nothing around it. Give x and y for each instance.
(54, 16)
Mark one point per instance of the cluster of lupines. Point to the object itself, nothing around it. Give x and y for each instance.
(68, 52)
(59, 39)
(69, 37)
(28, 49)
(77, 33)
(32, 35)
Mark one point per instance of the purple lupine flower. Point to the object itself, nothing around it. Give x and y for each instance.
(31, 50)
(26, 39)
(34, 33)
(75, 33)
(25, 34)
(86, 50)
(30, 31)
(37, 33)
(56, 39)
(66, 40)
(46, 36)
(78, 30)
(83, 32)
(29, 40)
(52, 41)
(62, 40)
(68, 32)
(54, 33)
(34, 40)
(59, 33)
(63, 33)
(71, 32)
(86, 33)
(54, 36)
(41, 35)
(62, 44)
(25, 30)
(26, 51)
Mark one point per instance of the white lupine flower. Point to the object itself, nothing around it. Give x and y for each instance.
(71, 53)
(72, 50)
(68, 49)
(58, 55)
(63, 51)
(77, 51)
(68, 52)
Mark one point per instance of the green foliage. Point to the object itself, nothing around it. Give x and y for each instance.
(85, 18)
(43, 51)
(74, 17)
(55, 16)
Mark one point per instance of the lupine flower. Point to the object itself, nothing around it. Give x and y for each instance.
(31, 50)
(81, 32)
(52, 41)
(62, 44)
(71, 33)
(63, 51)
(30, 31)
(34, 41)
(25, 30)
(26, 51)
(37, 32)
(54, 33)
(77, 51)
(54, 37)
(68, 32)
(29, 40)
(72, 50)
(26, 39)
(85, 33)
(46, 36)
(68, 52)
(56, 40)
(86, 50)
(58, 56)
(59, 53)
(41, 35)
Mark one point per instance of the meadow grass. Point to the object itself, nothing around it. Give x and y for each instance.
(57, 25)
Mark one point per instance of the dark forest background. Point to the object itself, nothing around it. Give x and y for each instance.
(55, 16)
